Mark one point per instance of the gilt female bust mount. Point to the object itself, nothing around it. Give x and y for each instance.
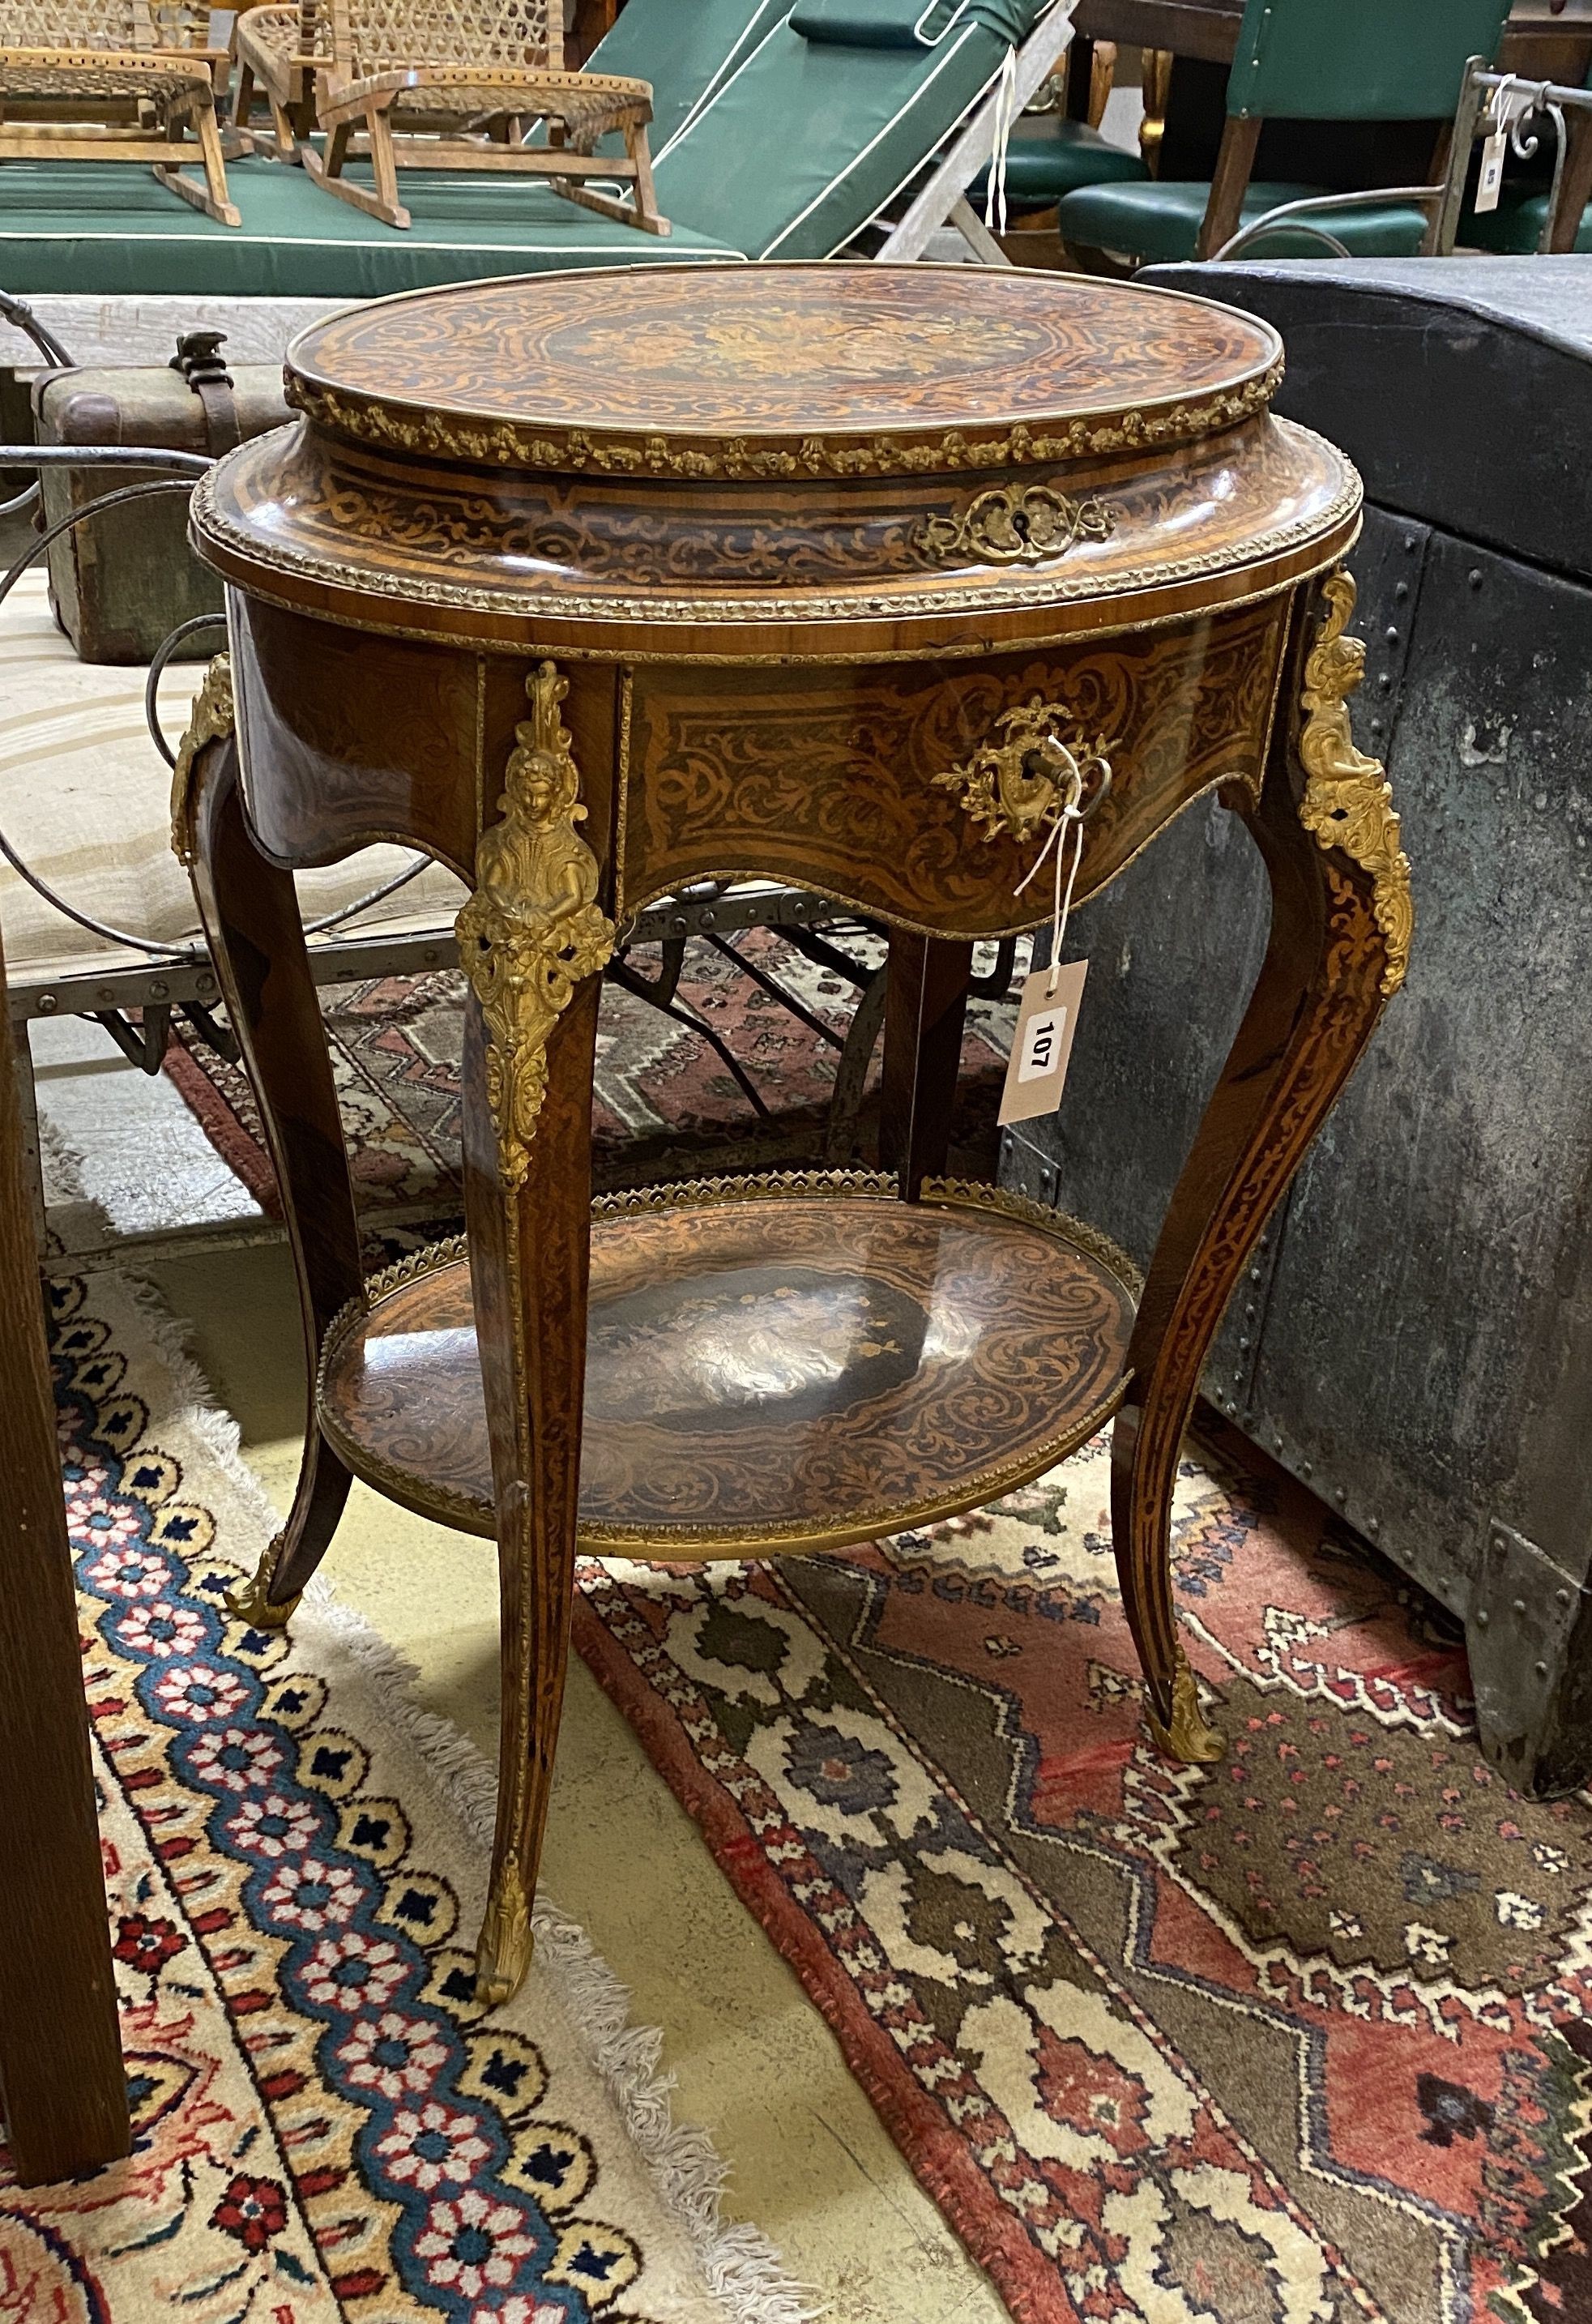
(849, 577)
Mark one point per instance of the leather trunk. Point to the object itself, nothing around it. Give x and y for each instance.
(120, 584)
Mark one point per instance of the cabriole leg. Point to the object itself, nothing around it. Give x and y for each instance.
(532, 941)
(249, 911)
(1341, 923)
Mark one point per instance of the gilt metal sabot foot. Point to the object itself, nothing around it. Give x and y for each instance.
(504, 1948)
(250, 1603)
(1190, 1738)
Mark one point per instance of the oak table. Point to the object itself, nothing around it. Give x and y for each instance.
(851, 576)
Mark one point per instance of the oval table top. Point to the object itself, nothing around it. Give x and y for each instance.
(784, 462)
(781, 370)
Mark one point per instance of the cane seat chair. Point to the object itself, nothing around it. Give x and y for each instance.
(125, 88)
(278, 51)
(457, 85)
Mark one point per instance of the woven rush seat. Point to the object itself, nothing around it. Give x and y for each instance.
(118, 60)
(87, 73)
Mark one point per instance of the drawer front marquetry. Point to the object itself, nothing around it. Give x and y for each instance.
(876, 786)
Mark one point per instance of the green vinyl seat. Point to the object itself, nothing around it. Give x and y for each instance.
(1515, 227)
(1050, 159)
(1158, 223)
(1355, 61)
(791, 128)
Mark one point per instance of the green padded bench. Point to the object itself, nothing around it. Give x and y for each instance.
(850, 96)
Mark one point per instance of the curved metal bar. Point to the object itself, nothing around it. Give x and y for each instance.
(157, 672)
(362, 904)
(1297, 215)
(102, 455)
(22, 318)
(149, 946)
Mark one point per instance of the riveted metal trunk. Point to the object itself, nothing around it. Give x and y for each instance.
(1414, 1339)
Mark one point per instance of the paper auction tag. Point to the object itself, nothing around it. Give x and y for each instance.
(1490, 180)
(1042, 1046)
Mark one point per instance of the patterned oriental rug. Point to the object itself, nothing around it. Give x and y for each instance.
(327, 2130)
(1302, 2038)
(666, 1106)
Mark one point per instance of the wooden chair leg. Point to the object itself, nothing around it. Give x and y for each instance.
(243, 105)
(1224, 208)
(287, 142)
(249, 911)
(61, 2061)
(384, 168)
(212, 196)
(925, 1009)
(646, 210)
(1339, 938)
(529, 1261)
(380, 201)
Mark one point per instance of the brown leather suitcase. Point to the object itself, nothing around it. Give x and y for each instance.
(124, 581)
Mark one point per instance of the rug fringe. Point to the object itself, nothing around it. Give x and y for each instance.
(741, 2264)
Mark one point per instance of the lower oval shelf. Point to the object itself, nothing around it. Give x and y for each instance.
(769, 1367)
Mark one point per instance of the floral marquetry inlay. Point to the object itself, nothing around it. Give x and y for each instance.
(783, 371)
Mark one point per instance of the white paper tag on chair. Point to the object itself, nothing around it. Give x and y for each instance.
(1042, 1048)
(1490, 180)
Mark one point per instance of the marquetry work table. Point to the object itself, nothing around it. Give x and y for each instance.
(595, 584)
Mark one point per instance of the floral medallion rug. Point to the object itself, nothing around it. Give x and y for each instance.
(1300, 2038)
(327, 2129)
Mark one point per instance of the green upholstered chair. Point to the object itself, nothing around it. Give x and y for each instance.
(779, 133)
(1303, 61)
(1050, 158)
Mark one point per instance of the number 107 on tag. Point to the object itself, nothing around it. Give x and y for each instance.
(1041, 1046)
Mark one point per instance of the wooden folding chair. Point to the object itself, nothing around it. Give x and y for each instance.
(473, 81)
(125, 89)
(278, 48)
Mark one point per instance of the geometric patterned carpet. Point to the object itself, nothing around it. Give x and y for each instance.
(663, 1106)
(1300, 2038)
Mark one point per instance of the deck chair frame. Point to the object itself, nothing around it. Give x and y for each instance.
(120, 65)
(942, 199)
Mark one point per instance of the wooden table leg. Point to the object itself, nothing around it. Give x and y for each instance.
(532, 941)
(1342, 922)
(925, 1009)
(61, 2062)
(250, 910)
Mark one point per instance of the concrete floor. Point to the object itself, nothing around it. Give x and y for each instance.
(810, 2162)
